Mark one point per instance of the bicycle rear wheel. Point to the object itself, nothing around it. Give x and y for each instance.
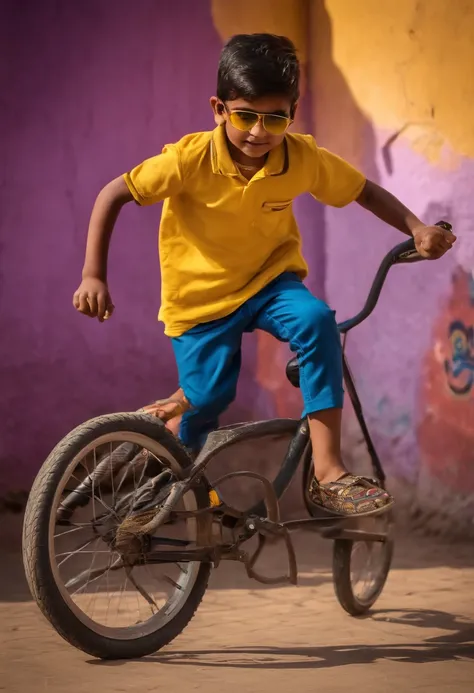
(99, 600)
(361, 568)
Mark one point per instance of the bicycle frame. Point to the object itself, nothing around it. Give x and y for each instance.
(264, 517)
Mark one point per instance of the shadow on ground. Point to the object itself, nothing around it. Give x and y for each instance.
(456, 645)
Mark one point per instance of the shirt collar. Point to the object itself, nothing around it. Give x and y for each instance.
(275, 165)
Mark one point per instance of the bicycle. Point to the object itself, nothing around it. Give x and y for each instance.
(96, 467)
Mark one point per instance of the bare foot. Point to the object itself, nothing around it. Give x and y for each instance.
(169, 410)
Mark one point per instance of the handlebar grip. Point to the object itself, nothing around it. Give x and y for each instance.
(444, 225)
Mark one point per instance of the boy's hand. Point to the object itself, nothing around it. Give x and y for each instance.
(92, 298)
(432, 242)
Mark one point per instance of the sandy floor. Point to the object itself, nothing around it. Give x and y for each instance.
(249, 638)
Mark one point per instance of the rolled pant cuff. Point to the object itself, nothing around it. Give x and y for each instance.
(321, 404)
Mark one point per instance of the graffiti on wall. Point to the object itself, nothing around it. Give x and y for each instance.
(446, 404)
(459, 366)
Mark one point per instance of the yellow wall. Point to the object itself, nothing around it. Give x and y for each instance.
(410, 62)
(285, 17)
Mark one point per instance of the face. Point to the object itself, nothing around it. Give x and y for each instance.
(257, 142)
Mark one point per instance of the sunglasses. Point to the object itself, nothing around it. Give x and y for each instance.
(247, 120)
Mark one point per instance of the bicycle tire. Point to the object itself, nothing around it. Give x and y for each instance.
(36, 539)
(343, 551)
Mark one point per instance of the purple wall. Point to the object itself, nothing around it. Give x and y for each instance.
(88, 93)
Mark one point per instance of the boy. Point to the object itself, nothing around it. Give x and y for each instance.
(231, 259)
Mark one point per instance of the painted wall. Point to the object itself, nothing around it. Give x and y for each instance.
(399, 105)
(90, 94)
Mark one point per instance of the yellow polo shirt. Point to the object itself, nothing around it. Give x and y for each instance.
(223, 238)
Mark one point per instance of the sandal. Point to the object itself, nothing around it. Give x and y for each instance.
(351, 495)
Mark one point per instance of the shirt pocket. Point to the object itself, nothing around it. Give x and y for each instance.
(276, 206)
(275, 216)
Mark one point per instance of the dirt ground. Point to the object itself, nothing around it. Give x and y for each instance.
(250, 638)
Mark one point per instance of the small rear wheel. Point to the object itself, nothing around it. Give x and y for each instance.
(361, 568)
(99, 598)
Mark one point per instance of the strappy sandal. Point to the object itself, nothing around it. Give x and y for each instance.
(351, 495)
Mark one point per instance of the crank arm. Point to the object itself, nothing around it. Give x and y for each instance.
(275, 530)
(354, 534)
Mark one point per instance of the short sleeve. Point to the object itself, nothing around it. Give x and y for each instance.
(336, 182)
(157, 178)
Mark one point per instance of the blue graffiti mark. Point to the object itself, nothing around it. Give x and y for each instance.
(391, 420)
(460, 367)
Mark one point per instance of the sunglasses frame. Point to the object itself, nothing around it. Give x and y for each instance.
(260, 119)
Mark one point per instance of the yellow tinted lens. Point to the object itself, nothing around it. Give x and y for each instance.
(275, 125)
(242, 120)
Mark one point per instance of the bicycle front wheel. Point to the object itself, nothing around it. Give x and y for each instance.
(111, 606)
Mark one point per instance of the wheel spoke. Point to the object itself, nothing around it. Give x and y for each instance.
(76, 551)
(141, 590)
(94, 574)
(74, 529)
(172, 582)
(365, 558)
(108, 508)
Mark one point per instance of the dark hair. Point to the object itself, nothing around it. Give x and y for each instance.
(256, 65)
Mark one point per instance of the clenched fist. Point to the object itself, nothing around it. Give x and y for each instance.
(92, 298)
(432, 242)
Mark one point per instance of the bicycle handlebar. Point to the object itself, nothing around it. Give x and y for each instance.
(403, 253)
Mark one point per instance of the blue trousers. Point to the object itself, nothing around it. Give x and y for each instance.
(208, 356)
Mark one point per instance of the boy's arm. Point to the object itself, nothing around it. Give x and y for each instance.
(431, 241)
(151, 181)
(92, 298)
